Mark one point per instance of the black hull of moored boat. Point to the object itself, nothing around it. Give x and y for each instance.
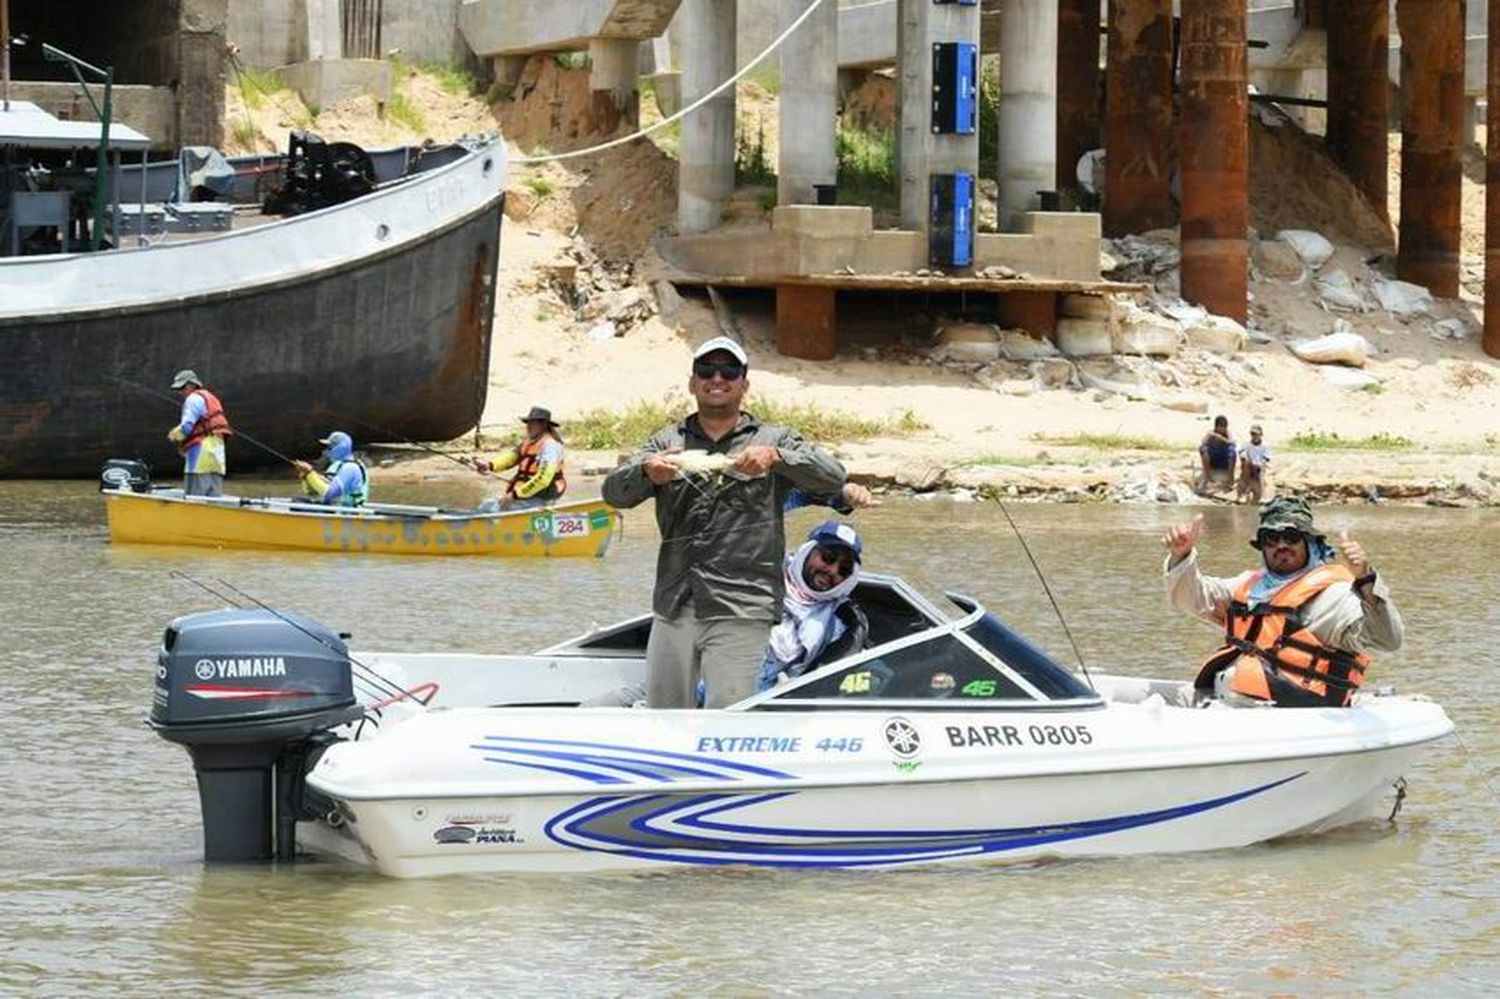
(399, 340)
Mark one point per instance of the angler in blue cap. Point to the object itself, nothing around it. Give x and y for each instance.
(346, 480)
(819, 623)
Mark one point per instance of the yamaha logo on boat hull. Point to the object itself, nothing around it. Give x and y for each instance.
(238, 669)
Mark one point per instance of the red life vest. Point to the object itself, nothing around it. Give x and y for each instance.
(213, 421)
(529, 462)
(1275, 656)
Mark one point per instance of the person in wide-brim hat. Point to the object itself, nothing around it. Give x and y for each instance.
(538, 461)
(1299, 629)
(540, 415)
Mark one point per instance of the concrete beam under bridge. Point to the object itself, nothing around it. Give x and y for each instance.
(519, 27)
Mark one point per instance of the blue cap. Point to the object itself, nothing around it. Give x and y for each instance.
(840, 534)
(339, 444)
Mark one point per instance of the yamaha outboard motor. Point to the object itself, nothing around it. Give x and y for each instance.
(125, 473)
(252, 694)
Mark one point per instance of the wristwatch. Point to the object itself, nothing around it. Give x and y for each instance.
(1368, 579)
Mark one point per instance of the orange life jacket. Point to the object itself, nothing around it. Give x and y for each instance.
(526, 467)
(1274, 655)
(213, 421)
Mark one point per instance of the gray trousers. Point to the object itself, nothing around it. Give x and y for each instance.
(202, 484)
(725, 653)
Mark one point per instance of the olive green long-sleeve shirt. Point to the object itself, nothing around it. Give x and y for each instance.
(722, 535)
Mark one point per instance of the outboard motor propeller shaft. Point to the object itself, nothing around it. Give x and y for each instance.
(252, 695)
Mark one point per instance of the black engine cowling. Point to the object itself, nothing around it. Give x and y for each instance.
(253, 695)
(125, 473)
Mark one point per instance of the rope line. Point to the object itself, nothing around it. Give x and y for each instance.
(684, 112)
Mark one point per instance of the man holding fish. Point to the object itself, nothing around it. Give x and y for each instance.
(720, 478)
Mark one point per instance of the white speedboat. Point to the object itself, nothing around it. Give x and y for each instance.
(949, 739)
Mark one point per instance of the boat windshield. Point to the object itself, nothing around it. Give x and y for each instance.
(1026, 660)
(944, 668)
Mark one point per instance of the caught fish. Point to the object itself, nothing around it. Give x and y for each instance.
(698, 462)
(704, 463)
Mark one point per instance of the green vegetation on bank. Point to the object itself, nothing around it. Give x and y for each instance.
(1313, 440)
(1107, 442)
(402, 111)
(257, 84)
(606, 429)
(867, 169)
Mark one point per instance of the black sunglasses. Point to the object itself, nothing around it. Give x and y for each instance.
(730, 370)
(1290, 536)
(837, 557)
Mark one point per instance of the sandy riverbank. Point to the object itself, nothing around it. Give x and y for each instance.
(576, 254)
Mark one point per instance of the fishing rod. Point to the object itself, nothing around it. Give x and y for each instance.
(1048, 590)
(390, 691)
(375, 679)
(175, 401)
(465, 462)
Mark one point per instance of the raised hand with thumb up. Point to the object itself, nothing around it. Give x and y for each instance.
(1352, 554)
(1180, 538)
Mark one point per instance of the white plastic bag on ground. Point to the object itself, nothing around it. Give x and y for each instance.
(1402, 298)
(1335, 348)
(1217, 334)
(969, 343)
(1018, 345)
(1337, 291)
(1311, 248)
(1146, 333)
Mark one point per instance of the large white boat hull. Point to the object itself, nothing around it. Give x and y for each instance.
(479, 790)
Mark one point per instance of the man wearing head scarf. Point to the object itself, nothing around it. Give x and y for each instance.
(199, 436)
(818, 621)
(346, 480)
(1297, 630)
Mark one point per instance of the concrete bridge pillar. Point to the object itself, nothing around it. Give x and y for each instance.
(612, 65)
(808, 109)
(1028, 107)
(1492, 188)
(1214, 150)
(705, 168)
(1138, 117)
(1432, 131)
(1077, 86)
(921, 24)
(1359, 94)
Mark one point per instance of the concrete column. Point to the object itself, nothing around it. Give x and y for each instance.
(1213, 140)
(612, 82)
(1432, 128)
(1138, 117)
(507, 68)
(1359, 94)
(919, 25)
(705, 170)
(1492, 187)
(1078, 75)
(1027, 157)
(808, 109)
(323, 30)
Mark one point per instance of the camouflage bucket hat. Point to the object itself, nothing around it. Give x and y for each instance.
(1285, 513)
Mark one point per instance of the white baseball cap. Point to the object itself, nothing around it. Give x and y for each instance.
(725, 344)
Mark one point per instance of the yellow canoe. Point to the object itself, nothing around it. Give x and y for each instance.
(166, 517)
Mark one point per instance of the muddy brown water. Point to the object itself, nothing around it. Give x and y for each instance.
(102, 888)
